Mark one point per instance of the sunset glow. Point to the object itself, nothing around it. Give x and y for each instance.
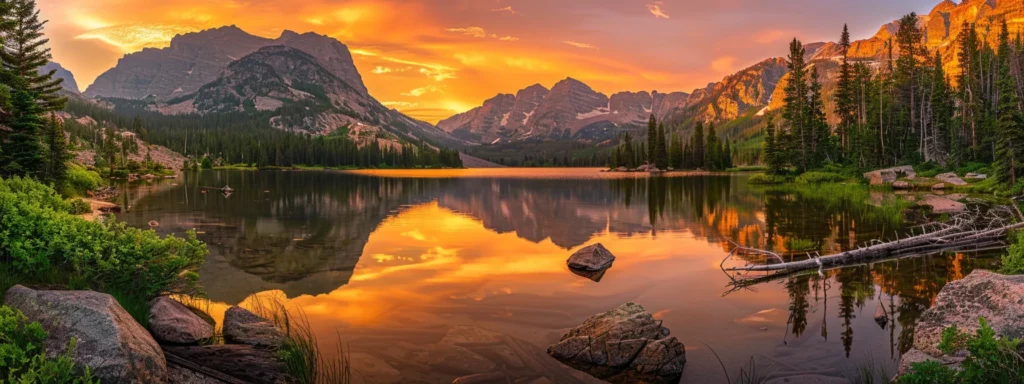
(432, 59)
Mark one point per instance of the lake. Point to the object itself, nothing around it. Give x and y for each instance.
(397, 264)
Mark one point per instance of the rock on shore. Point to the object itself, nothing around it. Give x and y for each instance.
(172, 322)
(244, 327)
(110, 341)
(624, 345)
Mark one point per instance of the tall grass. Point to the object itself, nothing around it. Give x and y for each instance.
(301, 351)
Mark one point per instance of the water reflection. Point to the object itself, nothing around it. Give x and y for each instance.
(408, 267)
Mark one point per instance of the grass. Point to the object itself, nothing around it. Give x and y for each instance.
(766, 179)
(301, 352)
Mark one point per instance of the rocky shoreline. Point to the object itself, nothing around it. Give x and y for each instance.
(177, 347)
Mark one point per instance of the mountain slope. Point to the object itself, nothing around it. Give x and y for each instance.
(69, 85)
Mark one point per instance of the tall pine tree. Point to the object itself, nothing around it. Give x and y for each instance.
(57, 152)
(697, 145)
(1010, 123)
(23, 153)
(845, 104)
(25, 51)
(661, 152)
(794, 112)
(652, 139)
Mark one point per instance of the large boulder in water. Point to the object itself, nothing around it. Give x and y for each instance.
(244, 327)
(109, 341)
(172, 322)
(592, 258)
(997, 298)
(624, 345)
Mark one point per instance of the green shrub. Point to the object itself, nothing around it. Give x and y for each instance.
(38, 236)
(1013, 260)
(80, 180)
(989, 359)
(797, 245)
(766, 179)
(78, 207)
(23, 357)
(815, 177)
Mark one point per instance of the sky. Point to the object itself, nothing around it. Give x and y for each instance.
(434, 58)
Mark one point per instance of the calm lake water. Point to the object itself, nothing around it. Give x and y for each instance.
(399, 265)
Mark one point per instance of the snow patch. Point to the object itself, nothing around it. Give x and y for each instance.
(647, 110)
(178, 90)
(595, 113)
(504, 120)
(528, 117)
(762, 111)
(496, 141)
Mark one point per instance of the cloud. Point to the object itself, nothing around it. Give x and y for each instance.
(770, 36)
(421, 91)
(579, 44)
(381, 70)
(135, 37)
(723, 64)
(400, 104)
(655, 9)
(480, 33)
(437, 72)
(507, 9)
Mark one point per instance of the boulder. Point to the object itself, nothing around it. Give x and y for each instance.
(624, 345)
(901, 185)
(950, 178)
(997, 298)
(248, 363)
(975, 176)
(942, 204)
(592, 258)
(244, 327)
(889, 175)
(644, 168)
(939, 187)
(621, 169)
(112, 344)
(172, 322)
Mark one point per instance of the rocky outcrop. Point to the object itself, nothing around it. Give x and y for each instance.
(593, 258)
(112, 344)
(561, 113)
(889, 175)
(951, 179)
(69, 84)
(997, 298)
(624, 345)
(244, 327)
(482, 124)
(172, 322)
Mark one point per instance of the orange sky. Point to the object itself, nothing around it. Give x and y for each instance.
(434, 58)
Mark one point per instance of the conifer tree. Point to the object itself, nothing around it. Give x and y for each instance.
(652, 139)
(688, 156)
(675, 152)
(57, 152)
(697, 145)
(774, 156)
(941, 113)
(727, 152)
(817, 123)
(1010, 123)
(712, 155)
(794, 110)
(661, 152)
(845, 105)
(23, 152)
(25, 51)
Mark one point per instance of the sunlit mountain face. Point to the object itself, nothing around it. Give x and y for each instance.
(433, 59)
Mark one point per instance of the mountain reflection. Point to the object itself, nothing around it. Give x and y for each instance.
(413, 253)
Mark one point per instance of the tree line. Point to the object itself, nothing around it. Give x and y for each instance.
(32, 139)
(907, 109)
(666, 150)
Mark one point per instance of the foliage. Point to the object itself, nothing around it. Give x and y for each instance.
(38, 235)
(818, 177)
(23, 355)
(767, 179)
(1013, 260)
(301, 352)
(989, 359)
(78, 207)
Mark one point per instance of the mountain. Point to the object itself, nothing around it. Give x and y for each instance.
(69, 84)
(301, 82)
(569, 110)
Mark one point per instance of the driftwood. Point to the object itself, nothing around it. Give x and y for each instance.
(970, 231)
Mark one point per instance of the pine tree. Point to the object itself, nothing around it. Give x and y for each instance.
(794, 110)
(675, 152)
(25, 51)
(845, 105)
(697, 144)
(57, 152)
(23, 153)
(727, 152)
(661, 152)
(941, 113)
(774, 156)
(817, 122)
(712, 155)
(688, 156)
(652, 140)
(1010, 123)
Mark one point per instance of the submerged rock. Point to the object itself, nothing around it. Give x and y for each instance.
(244, 327)
(172, 322)
(592, 258)
(941, 204)
(624, 345)
(109, 341)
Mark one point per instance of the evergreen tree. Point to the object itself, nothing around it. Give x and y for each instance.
(57, 152)
(25, 51)
(697, 144)
(675, 152)
(688, 157)
(795, 109)
(727, 152)
(821, 136)
(845, 104)
(23, 153)
(774, 156)
(652, 140)
(661, 153)
(941, 113)
(712, 155)
(1010, 124)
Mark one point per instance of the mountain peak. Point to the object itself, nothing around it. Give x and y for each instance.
(288, 34)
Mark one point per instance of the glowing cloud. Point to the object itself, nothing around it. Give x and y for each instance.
(381, 70)
(723, 64)
(579, 44)
(479, 33)
(399, 104)
(421, 91)
(135, 37)
(655, 9)
(507, 9)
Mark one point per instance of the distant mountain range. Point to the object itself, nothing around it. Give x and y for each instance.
(228, 70)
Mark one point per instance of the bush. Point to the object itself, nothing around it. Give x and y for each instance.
(989, 359)
(1013, 260)
(23, 357)
(766, 179)
(39, 236)
(78, 207)
(80, 180)
(815, 177)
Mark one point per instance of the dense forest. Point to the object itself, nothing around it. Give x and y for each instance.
(666, 150)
